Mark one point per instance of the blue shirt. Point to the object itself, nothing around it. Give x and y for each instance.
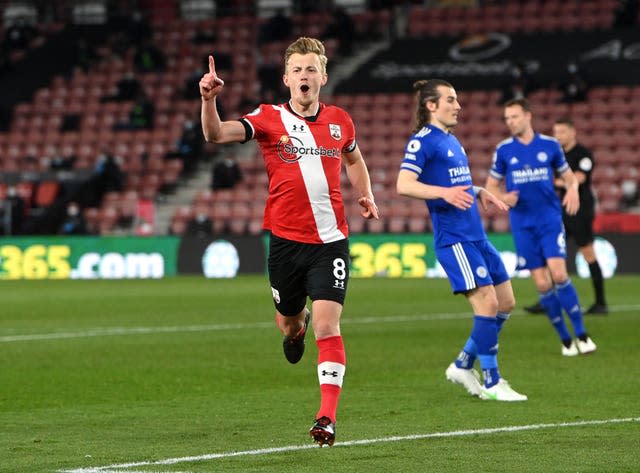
(440, 160)
(529, 169)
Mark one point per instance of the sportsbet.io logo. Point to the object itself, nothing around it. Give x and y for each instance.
(291, 149)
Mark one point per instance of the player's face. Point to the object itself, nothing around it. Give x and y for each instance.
(304, 77)
(565, 134)
(444, 112)
(517, 119)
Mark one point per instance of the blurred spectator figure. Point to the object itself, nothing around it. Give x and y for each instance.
(127, 88)
(626, 14)
(342, 28)
(74, 222)
(30, 164)
(19, 35)
(190, 90)
(189, 146)
(574, 88)
(269, 73)
(630, 194)
(57, 162)
(86, 55)
(141, 115)
(200, 226)
(517, 85)
(137, 28)
(279, 27)
(149, 58)
(108, 175)
(13, 212)
(226, 173)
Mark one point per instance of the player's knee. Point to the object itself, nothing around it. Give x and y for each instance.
(507, 304)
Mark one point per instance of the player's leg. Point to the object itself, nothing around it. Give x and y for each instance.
(553, 308)
(484, 300)
(568, 297)
(289, 295)
(327, 281)
(580, 228)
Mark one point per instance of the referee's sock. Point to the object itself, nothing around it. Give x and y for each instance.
(598, 282)
(552, 307)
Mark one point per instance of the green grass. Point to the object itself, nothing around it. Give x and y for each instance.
(99, 373)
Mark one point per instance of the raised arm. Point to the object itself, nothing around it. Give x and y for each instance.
(213, 128)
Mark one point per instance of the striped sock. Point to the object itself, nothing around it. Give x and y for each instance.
(331, 367)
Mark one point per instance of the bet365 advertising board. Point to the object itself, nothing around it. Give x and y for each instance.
(373, 255)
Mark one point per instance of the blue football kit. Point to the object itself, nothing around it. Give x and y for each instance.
(461, 244)
(536, 219)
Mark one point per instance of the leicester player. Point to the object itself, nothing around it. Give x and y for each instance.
(580, 226)
(527, 163)
(304, 144)
(435, 168)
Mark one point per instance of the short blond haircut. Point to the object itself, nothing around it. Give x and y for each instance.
(304, 45)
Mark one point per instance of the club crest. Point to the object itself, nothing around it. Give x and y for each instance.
(335, 131)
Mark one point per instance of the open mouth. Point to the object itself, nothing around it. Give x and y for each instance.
(304, 88)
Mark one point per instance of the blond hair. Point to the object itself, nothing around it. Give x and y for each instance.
(304, 45)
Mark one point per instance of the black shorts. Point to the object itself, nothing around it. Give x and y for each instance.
(297, 270)
(580, 228)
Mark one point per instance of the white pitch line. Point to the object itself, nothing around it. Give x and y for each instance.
(111, 331)
(124, 467)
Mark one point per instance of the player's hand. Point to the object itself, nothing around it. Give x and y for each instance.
(458, 197)
(485, 197)
(370, 209)
(210, 84)
(571, 201)
(511, 198)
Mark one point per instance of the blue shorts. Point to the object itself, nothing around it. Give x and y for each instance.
(535, 245)
(472, 264)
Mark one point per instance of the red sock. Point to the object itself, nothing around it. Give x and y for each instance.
(331, 366)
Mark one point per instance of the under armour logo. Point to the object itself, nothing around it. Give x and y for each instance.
(295, 127)
(338, 284)
(330, 373)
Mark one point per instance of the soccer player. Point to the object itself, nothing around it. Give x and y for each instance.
(435, 168)
(304, 144)
(580, 226)
(527, 162)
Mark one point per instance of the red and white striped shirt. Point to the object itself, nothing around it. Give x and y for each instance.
(303, 158)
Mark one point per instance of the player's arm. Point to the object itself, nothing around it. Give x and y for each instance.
(408, 185)
(494, 186)
(485, 198)
(213, 128)
(358, 175)
(571, 200)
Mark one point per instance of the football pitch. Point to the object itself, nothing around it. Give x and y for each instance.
(187, 375)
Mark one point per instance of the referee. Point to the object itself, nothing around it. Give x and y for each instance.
(580, 226)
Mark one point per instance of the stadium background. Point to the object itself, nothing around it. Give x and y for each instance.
(56, 126)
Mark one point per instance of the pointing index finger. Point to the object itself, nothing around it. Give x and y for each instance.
(212, 65)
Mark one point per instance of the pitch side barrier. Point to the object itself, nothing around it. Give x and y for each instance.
(225, 256)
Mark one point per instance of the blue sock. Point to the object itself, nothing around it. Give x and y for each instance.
(467, 356)
(551, 305)
(569, 299)
(501, 318)
(485, 336)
